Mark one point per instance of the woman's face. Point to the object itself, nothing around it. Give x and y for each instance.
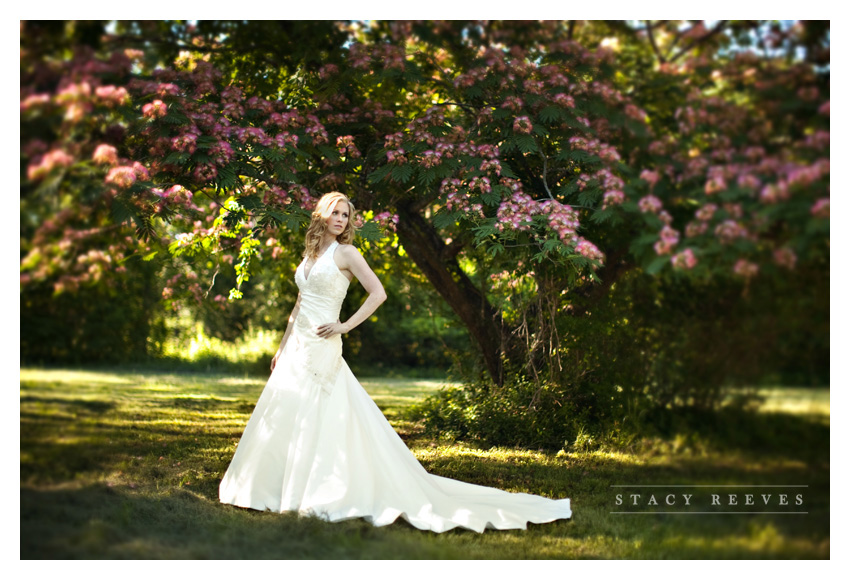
(338, 220)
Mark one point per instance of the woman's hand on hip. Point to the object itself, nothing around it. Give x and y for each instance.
(330, 329)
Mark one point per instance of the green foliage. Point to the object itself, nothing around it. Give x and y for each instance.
(107, 322)
(653, 346)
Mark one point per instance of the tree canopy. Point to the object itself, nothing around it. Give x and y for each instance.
(507, 158)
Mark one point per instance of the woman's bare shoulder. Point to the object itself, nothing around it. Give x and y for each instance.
(348, 254)
(348, 249)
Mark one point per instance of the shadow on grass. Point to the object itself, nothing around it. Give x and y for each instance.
(800, 437)
(73, 406)
(98, 522)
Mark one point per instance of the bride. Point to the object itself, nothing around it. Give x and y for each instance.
(318, 445)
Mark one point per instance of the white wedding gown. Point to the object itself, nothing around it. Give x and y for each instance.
(318, 445)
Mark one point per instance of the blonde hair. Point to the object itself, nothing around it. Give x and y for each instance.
(318, 223)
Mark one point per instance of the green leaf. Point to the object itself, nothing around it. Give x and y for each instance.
(123, 212)
(251, 202)
(380, 173)
(370, 232)
(526, 143)
(550, 114)
(402, 173)
(656, 264)
(507, 171)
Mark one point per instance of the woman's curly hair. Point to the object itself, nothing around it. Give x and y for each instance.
(318, 224)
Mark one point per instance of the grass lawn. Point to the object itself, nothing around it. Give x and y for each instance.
(122, 464)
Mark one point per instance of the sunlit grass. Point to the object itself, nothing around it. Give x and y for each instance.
(127, 464)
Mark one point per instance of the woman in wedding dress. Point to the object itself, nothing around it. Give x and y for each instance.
(318, 445)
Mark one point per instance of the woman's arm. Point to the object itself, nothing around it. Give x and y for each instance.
(350, 260)
(286, 334)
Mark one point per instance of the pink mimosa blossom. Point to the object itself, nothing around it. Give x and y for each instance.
(745, 268)
(684, 259)
(820, 208)
(589, 251)
(651, 177)
(49, 161)
(612, 198)
(155, 110)
(785, 257)
(669, 238)
(523, 125)
(729, 230)
(105, 155)
(122, 176)
(649, 203)
(695, 228)
(112, 95)
(774, 192)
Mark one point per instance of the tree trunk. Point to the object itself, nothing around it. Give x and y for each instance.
(428, 251)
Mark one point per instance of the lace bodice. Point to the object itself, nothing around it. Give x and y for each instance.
(323, 288)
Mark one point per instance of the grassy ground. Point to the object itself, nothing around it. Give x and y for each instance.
(126, 465)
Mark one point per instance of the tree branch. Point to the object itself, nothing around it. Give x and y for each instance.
(717, 28)
(652, 43)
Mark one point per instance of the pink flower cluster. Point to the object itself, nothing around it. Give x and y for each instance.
(396, 156)
(820, 208)
(603, 150)
(481, 184)
(345, 145)
(513, 103)
(48, 162)
(121, 176)
(774, 192)
(491, 165)
(649, 204)
(589, 251)
(730, 230)
(706, 212)
(807, 174)
(205, 172)
(695, 228)
(608, 180)
(126, 175)
(387, 220)
(111, 95)
(684, 259)
(564, 220)
(785, 257)
(105, 155)
(275, 195)
(669, 238)
(327, 71)
(745, 268)
(518, 213)
(716, 180)
(430, 158)
(749, 181)
(612, 198)
(155, 109)
(174, 195)
(221, 152)
(33, 101)
(523, 125)
(186, 143)
(564, 100)
(649, 176)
